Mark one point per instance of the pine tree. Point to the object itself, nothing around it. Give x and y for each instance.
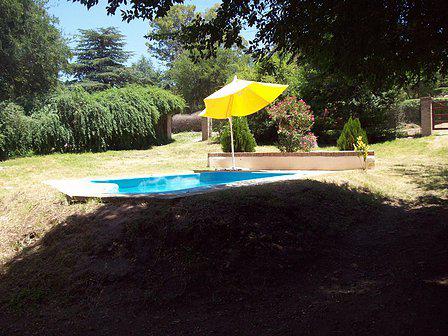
(243, 140)
(100, 59)
(350, 133)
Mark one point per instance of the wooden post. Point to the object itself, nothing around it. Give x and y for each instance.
(426, 115)
(169, 127)
(205, 126)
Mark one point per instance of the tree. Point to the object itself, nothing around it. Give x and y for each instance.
(32, 51)
(377, 44)
(164, 32)
(100, 59)
(275, 69)
(142, 72)
(196, 80)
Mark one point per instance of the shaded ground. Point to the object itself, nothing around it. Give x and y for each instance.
(303, 257)
(352, 253)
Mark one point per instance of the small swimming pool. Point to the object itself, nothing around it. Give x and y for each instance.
(169, 186)
(177, 183)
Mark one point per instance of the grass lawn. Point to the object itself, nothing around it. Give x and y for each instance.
(342, 238)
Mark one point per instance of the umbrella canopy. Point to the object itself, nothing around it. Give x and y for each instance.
(240, 98)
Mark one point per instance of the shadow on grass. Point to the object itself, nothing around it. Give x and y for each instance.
(273, 259)
(432, 179)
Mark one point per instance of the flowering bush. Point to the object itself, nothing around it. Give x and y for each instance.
(294, 119)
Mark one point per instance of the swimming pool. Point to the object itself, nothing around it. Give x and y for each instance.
(169, 186)
(176, 183)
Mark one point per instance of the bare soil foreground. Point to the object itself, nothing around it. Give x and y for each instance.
(309, 257)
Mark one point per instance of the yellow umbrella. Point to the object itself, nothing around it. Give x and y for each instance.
(240, 98)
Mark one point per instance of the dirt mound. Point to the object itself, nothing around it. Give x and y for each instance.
(275, 257)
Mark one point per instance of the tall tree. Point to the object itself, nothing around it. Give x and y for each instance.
(143, 72)
(164, 33)
(100, 58)
(196, 80)
(32, 51)
(378, 43)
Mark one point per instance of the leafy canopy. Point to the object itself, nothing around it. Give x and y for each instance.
(164, 33)
(197, 80)
(32, 51)
(143, 72)
(364, 41)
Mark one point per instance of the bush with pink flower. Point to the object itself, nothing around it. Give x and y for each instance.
(294, 119)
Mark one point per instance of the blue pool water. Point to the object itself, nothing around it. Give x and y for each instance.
(178, 183)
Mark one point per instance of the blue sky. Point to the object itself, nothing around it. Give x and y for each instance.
(74, 16)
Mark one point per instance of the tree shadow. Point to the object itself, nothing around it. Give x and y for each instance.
(272, 259)
(433, 179)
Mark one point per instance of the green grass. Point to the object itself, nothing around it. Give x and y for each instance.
(408, 171)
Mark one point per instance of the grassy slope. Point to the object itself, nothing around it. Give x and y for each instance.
(406, 170)
(28, 208)
(108, 260)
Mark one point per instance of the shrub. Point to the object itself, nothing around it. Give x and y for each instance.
(15, 131)
(295, 119)
(133, 118)
(243, 139)
(89, 123)
(335, 99)
(350, 133)
(135, 111)
(263, 127)
(187, 123)
(49, 134)
(73, 120)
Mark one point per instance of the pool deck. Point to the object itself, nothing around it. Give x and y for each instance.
(80, 190)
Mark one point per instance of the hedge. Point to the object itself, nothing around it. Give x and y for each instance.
(15, 131)
(187, 123)
(75, 121)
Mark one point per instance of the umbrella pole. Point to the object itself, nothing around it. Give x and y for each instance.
(231, 144)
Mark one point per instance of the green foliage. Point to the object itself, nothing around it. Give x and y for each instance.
(73, 120)
(441, 91)
(408, 111)
(49, 134)
(164, 32)
(32, 51)
(135, 111)
(15, 131)
(143, 73)
(100, 59)
(263, 127)
(89, 122)
(275, 69)
(243, 139)
(294, 119)
(334, 100)
(196, 80)
(377, 54)
(350, 133)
